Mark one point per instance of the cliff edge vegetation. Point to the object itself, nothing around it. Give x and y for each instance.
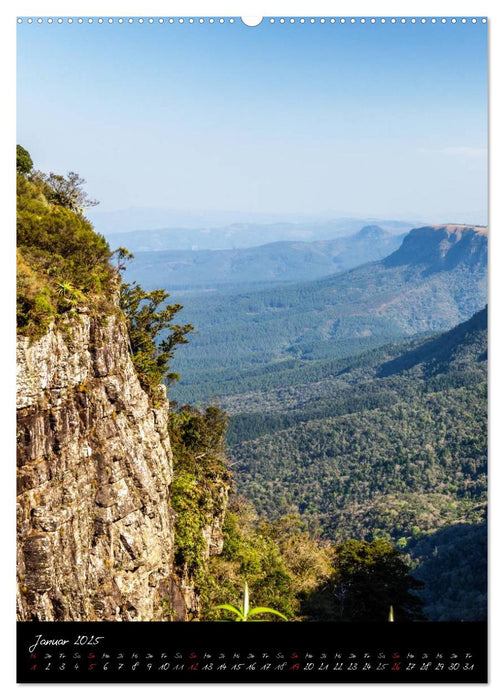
(61, 261)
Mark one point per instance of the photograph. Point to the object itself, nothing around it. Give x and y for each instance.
(251, 363)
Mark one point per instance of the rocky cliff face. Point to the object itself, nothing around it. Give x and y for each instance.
(95, 526)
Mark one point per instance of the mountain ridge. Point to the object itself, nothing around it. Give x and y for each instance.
(246, 235)
(338, 315)
(446, 246)
(275, 262)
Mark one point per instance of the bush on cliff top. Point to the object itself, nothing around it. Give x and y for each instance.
(62, 261)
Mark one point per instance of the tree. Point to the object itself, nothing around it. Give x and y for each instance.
(67, 192)
(24, 163)
(199, 487)
(122, 256)
(147, 319)
(369, 578)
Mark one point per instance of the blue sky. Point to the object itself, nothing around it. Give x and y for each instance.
(368, 120)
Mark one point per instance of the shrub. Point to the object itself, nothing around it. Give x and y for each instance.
(62, 261)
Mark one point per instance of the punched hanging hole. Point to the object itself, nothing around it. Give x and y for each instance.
(251, 21)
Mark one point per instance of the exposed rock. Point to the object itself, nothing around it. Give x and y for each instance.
(95, 526)
(212, 532)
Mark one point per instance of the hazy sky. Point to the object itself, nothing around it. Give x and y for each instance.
(371, 120)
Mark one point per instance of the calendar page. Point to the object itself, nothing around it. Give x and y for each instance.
(251, 349)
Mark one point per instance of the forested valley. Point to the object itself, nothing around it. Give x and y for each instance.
(389, 446)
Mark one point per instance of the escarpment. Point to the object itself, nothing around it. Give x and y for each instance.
(95, 525)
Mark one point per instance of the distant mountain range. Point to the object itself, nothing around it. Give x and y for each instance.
(437, 279)
(244, 235)
(290, 261)
(149, 218)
